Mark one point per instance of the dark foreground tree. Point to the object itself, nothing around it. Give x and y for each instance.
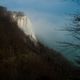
(74, 29)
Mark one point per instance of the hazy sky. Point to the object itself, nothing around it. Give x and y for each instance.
(46, 15)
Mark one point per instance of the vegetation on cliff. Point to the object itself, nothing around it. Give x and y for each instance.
(20, 60)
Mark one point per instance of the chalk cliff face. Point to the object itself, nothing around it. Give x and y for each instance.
(24, 23)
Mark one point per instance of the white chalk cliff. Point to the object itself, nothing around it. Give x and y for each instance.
(24, 23)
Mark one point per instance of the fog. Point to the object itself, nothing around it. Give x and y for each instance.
(48, 28)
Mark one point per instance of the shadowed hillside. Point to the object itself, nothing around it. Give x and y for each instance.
(20, 60)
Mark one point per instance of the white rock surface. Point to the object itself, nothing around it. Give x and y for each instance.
(24, 23)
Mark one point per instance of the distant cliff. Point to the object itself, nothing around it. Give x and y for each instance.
(23, 60)
(24, 23)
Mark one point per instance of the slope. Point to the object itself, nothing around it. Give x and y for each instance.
(20, 60)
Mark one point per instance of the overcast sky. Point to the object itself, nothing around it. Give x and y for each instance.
(49, 12)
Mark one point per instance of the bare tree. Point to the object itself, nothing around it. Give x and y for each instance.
(74, 30)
